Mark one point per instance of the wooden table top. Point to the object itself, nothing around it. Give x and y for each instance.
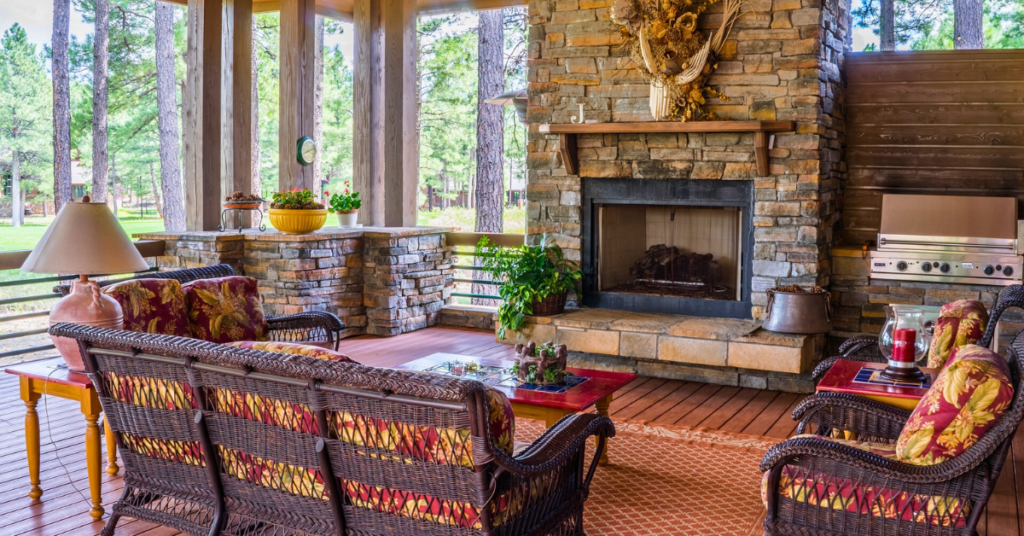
(52, 370)
(840, 379)
(598, 384)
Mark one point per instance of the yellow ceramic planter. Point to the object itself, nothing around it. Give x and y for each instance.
(297, 221)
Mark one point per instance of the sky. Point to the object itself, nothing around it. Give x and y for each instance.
(37, 19)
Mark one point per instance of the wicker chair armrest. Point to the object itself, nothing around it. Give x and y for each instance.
(846, 457)
(557, 445)
(855, 344)
(300, 326)
(843, 411)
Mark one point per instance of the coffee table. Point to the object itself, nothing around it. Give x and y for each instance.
(549, 404)
(842, 378)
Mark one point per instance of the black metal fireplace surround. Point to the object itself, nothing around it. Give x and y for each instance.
(684, 193)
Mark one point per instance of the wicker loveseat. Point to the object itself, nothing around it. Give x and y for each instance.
(223, 440)
(309, 327)
(820, 485)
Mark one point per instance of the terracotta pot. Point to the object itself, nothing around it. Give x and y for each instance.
(250, 205)
(87, 306)
(553, 304)
(347, 220)
(297, 221)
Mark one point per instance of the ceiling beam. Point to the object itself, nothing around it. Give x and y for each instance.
(342, 9)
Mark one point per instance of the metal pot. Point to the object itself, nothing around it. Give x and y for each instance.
(798, 312)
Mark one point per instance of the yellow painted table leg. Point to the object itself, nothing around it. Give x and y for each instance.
(602, 409)
(32, 441)
(112, 467)
(92, 462)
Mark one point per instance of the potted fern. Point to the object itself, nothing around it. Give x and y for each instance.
(534, 280)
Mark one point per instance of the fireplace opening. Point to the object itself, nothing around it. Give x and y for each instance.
(668, 246)
(677, 251)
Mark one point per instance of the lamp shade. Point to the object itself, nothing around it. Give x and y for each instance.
(85, 239)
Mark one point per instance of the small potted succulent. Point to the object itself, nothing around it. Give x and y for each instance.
(540, 365)
(346, 206)
(296, 212)
(238, 200)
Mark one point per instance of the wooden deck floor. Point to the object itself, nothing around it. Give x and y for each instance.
(63, 510)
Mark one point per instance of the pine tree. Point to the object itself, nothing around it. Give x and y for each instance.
(100, 42)
(490, 127)
(61, 63)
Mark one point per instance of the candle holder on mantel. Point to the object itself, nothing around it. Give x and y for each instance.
(903, 341)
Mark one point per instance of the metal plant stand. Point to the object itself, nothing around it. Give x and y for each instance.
(257, 220)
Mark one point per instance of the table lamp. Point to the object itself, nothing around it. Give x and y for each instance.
(86, 239)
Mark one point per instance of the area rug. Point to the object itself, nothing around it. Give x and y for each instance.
(673, 481)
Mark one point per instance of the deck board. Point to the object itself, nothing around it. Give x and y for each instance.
(651, 400)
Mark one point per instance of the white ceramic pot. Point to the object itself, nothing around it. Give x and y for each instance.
(347, 220)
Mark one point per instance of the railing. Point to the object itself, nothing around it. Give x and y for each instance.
(25, 298)
(481, 286)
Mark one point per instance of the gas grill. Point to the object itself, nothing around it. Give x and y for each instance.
(948, 239)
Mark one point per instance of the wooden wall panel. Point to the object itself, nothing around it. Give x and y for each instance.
(937, 122)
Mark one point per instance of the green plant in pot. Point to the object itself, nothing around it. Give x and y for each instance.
(535, 280)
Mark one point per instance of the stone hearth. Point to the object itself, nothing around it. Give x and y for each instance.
(715, 350)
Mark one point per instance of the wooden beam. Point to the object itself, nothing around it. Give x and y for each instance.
(238, 116)
(192, 112)
(297, 48)
(202, 117)
(401, 173)
(368, 111)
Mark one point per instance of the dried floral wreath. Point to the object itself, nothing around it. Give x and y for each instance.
(672, 54)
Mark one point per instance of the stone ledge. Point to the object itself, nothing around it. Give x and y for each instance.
(273, 235)
(469, 316)
(709, 342)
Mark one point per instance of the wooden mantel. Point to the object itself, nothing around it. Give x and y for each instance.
(762, 135)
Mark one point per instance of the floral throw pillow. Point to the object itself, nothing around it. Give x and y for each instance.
(966, 400)
(960, 323)
(152, 306)
(293, 348)
(225, 309)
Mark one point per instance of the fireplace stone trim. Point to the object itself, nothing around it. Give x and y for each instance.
(677, 192)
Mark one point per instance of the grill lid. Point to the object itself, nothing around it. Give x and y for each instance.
(948, 223)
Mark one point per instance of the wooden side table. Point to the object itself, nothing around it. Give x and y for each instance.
(842, 378)
(52, 378)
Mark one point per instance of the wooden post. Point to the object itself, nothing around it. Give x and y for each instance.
(401, 171)
(298, 38)
(236, 93)
(368, 111)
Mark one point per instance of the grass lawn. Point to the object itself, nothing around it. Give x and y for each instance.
(26, 236)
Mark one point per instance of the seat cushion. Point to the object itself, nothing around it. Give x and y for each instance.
(960, 323)
(826, 491)
(152, 306)
(293, 348)
(966, 400)
(225, 309)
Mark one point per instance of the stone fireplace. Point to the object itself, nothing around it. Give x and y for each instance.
(668, 246)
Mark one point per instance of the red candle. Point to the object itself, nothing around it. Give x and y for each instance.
(903, 345)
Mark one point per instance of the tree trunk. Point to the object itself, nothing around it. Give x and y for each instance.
(167, 120)
(99, 102)
(968, 32)
(490, 130)
(61, 104)
(887, 21)
(17, 204)
(156, 191)
(113, 183)
(318, 105)
(257, 184)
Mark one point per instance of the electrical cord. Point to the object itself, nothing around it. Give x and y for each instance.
(49, 434)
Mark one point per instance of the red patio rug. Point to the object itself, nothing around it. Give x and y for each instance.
(673, 481)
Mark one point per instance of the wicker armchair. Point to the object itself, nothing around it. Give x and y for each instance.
(312, 326)
(945, 499)
(221, 440)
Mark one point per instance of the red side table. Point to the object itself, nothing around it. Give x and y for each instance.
(843, 378)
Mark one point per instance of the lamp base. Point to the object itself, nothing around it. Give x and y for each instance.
(84, 305)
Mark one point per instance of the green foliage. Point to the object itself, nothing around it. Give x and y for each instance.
(928, 24)
(25, 109)
(295, 200)
(527, 274)
(464, 219)
(343, 203)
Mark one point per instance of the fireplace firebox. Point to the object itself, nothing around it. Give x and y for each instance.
(668, 246)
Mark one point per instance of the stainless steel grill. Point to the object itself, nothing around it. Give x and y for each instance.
(948, 239)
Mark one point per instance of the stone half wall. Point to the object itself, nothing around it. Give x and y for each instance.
(378, 281)
(782, 62)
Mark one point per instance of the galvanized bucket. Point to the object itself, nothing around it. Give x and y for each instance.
(798, 312)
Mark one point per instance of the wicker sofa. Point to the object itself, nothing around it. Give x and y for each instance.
(318, 327)
(222, 440)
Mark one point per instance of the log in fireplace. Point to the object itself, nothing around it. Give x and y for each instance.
(668, 246)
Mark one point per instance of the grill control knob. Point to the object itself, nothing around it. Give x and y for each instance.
(901, 266)
(989, 270)
(927, 267)
(1008, 271)
(944, 268)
